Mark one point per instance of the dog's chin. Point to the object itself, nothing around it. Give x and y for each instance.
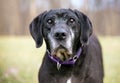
(61, 53)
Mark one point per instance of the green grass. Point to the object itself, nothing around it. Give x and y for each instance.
(111, 56)
(20, 60)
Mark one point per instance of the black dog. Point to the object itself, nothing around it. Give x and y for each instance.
(73, 53)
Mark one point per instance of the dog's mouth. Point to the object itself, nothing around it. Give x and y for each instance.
(61, 53)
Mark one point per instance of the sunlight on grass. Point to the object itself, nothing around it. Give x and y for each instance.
(111, 56)
(20, 59)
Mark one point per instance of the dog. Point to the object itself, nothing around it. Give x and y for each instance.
(73, 53)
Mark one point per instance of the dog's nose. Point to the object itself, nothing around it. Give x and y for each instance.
(61, 35)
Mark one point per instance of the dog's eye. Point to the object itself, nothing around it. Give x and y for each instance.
(71, 20)
(50, 21)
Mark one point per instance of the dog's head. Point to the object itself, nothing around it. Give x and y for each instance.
(64, 31)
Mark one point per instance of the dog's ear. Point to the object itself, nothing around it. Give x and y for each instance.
(36, 29)
(85, 27)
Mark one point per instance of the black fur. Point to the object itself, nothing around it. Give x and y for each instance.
(36, 29)
(89, 66)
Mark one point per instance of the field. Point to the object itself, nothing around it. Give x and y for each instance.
(20, 60)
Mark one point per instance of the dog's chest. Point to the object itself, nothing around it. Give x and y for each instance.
(74, 80)
(69, 80)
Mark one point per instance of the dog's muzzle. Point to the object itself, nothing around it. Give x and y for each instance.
(60, 34)
(61, 42)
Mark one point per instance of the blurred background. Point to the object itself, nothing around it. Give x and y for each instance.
(20, 60)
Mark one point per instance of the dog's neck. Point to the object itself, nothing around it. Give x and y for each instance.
(71, 61)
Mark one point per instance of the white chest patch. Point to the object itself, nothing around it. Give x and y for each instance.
(69, 80)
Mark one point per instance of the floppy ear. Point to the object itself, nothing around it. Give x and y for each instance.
(36, 29)
(85, 27)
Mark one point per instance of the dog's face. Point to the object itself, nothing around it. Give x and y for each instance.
(64, 31)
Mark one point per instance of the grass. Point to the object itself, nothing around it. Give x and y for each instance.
(111, 56)
(20, 60)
